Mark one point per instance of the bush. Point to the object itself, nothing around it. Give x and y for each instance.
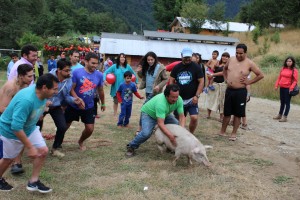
(4, 62)
(271, 61)
(275, 37)
(266, 46)
(256, 33)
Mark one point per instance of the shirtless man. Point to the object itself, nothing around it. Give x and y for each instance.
(11, 87)
(7, 92)
(235, 73)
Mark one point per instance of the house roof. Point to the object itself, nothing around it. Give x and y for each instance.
(217, 25)
(139, 45)
(122, 36)
(189, 37)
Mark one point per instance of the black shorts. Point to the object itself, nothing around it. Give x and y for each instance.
(235, 102)
(86, 116)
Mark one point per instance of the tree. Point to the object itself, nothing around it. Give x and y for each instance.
(195, 13)
(216, 14)
(31, 38)
(60, 23)
(278, 11)
(165, 11)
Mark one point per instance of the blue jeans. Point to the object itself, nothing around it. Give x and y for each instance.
(148, 124)
(125, 114)
(285, 101)
(148, 97)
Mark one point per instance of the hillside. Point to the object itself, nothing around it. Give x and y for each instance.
(139, 14)
(232, 6)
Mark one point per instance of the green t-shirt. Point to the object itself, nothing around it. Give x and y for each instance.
(159, 107)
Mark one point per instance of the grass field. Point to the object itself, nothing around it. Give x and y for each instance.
(248, 169)
(103, 171)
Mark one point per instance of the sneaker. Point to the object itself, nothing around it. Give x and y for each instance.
(211, 87)
(57, 153)
(130, 152)
(205, 90)
(277, 116)
(17, 169)
(38, 186)
(4, 186)
(283, 119)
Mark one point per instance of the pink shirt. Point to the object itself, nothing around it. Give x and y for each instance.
(13, 72)
(284, 79)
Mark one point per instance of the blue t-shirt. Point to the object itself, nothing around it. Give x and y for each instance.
(127, 91)
(22, 113)
(86, 84)
(77, 66)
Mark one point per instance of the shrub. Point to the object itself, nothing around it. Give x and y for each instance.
(271, 61)
(266, 46)
(4, 62)
(275, 37)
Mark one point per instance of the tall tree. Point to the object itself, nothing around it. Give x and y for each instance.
(165, 11)
(195, 13)
(278, 11)
(216, 14)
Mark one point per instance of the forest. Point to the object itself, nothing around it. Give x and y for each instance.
(44, 19)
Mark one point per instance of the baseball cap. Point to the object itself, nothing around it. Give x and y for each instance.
(186, 52)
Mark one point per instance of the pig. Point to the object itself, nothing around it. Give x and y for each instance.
(187, 144)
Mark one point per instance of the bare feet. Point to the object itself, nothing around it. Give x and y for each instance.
(81, 146)
(232, 138)
(222, 134)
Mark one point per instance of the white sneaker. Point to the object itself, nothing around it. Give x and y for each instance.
(57, 153)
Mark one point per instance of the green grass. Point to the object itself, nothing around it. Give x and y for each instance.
(282, 180)
(103, 171)
(262, 162)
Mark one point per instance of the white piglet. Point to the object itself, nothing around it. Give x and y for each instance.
(187, 144)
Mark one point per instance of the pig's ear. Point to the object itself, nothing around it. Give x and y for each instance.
(196, 150)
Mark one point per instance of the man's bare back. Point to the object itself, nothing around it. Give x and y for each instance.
(7, 92)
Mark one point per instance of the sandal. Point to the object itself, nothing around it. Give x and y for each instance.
(232, 138)
(244, 126)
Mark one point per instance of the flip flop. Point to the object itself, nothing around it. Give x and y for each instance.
(232, 138)
(222, 135)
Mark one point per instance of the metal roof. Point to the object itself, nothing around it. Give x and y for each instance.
(163, 48)
(232, 26)
(122, 36)
(194, 37)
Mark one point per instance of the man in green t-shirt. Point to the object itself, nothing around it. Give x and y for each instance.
(158, 111)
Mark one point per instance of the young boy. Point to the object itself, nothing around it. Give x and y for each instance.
(210, 70)
(124, 95)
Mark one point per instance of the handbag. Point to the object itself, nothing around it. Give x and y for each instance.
(296, 88)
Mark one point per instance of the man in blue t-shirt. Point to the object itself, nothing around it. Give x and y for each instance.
(85, 83)
(51, 63)
(18, 129)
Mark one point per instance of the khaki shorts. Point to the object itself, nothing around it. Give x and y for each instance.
(12, 147)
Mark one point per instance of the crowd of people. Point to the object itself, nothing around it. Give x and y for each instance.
(70, 92)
